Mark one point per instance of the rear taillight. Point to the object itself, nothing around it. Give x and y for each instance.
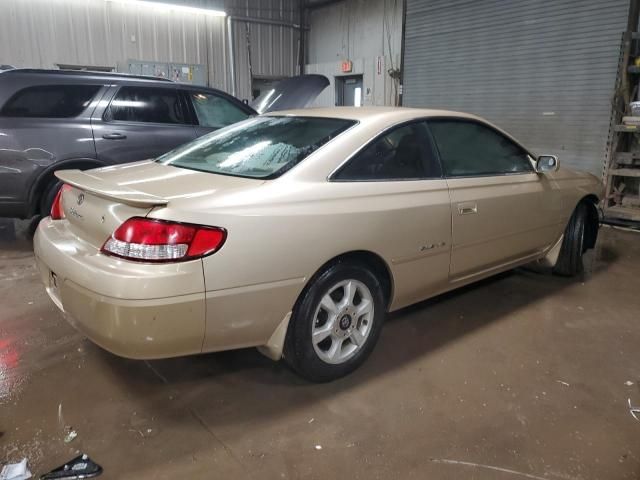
(57, 210)
(150, 240)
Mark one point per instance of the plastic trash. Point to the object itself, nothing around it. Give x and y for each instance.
(15, 471)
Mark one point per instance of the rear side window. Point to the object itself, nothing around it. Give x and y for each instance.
(147, 105)
(214, 111)
(404, 153)
(50, 101)
(470, 149)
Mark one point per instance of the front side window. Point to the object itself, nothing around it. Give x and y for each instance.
(405, 153)
(215, 111)
(261, 147)
(470, 149)
(147, 105)
(50, 101)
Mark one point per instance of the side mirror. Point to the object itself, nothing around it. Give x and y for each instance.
(547, 163)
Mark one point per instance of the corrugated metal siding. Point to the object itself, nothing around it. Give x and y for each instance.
(274, 48)
(543, 70)
(43, 33)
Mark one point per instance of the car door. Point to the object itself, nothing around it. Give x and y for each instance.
(40, 125)
(501, 208)
(140, 122)
(399, 177)
(212, 111)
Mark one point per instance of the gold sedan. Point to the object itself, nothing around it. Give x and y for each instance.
(297, 232)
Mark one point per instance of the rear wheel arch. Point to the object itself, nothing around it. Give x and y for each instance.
(302, 347)
(372, 261)
(46, 179)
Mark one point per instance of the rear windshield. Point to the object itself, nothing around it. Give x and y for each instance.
(261, 147)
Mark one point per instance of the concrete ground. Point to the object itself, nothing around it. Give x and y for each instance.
(521, 376)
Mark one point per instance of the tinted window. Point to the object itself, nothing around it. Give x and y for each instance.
(403, 153)
(50, 101)
(261, 147)
(149, 105)
(470, 149)
(214, 111)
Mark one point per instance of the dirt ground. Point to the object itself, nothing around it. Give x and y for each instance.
(520, 376)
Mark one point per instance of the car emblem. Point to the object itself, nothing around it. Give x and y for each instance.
(80, 198)
(74, 212)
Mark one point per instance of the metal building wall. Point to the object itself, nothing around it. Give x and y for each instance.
(274, 48)
(43, 33)
(362, 31)
(543, 70)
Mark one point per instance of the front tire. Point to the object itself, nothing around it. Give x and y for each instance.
(335, 323)
(569, 262)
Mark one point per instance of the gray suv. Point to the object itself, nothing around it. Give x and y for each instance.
(54, 119)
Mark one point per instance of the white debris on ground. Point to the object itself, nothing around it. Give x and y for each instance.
(70, 436)
(15, 471)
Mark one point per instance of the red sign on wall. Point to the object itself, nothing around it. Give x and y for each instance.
(347, 66)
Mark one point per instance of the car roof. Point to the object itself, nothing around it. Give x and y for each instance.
(390, 114)
(83, 74)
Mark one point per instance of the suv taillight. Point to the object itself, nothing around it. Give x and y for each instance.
(57, 210)
(150, 240)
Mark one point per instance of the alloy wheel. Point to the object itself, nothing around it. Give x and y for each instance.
(342, 321)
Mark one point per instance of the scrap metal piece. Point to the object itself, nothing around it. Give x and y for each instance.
(634, 411)
(80, 467)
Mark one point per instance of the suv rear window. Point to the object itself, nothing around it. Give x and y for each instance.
(50, 101)
(261, 147)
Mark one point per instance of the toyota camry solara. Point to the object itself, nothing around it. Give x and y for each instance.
(297, 232)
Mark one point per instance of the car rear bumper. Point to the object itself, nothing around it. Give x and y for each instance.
(132, 309)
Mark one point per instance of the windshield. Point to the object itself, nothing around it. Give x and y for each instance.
(261, 147)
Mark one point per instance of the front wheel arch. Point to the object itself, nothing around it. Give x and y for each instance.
(579, 236)
(593, 220)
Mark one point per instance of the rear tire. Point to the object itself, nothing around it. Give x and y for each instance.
(569, 262)
(48, 196)
(335, 323)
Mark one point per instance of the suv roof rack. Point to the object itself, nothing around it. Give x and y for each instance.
(81, 73)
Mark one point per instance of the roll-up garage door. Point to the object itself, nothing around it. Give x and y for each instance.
(543, 70)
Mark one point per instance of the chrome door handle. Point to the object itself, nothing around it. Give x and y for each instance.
(467, 208)
(114, 136)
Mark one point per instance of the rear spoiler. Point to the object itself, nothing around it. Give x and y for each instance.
(87, 182)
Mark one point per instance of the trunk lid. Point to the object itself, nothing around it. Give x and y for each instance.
(291, 93)
(100, 200)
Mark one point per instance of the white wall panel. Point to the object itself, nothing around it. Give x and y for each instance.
(43, 33)
(361, 31)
